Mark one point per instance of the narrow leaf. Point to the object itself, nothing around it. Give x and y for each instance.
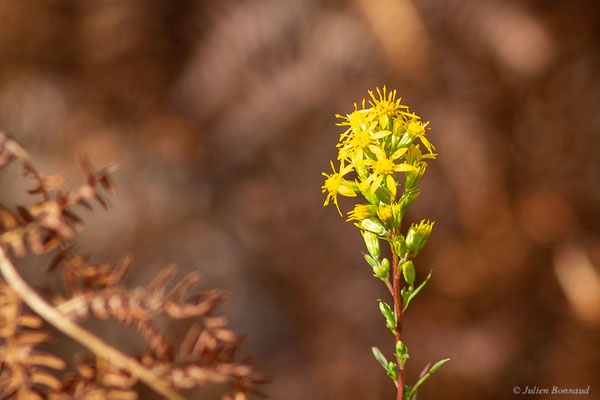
(416, 291)
(427, 375)
(380, 357)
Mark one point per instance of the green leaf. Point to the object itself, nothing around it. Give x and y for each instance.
(392, 371)
(416, 291)
(380, 357)
(407, 389)
(425, 376)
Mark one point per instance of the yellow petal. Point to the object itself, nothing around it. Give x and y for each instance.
(376, 183)
(346, 191)
(398, 153)
(427, 143)
(404, 168)
(383, 121)
(391, 185)
(378, 151)
(381, 134)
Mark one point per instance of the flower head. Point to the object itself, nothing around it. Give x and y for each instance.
(384, 166)
(336, 184)
(386, 106)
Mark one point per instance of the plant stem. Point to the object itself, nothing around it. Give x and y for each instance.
(398, 310)
(77, 333)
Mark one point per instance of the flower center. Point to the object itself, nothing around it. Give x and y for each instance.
(384, 166)
(333, 182)
(362, 139)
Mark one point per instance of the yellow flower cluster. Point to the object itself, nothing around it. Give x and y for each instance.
(380, 158)
(379, 145)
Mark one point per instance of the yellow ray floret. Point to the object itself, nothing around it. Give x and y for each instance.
(336, 184)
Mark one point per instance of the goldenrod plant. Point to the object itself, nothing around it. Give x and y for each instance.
(381, 159)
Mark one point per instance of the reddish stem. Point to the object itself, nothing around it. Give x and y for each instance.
(398, 310)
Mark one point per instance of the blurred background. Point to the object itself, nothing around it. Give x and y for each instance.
(221, 117)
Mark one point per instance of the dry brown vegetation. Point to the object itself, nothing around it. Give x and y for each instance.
(205, 355)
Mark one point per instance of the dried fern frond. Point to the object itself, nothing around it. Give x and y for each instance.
(206, 354)
(22, 366)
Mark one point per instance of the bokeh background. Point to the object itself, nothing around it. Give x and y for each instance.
(221, 117)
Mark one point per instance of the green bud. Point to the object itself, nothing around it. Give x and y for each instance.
(418, 234)
(413, 177)
(382, 271)
(392, 371)
(401, 353)
(408, 198)
(408, 271)
(385, 264)
(372, 225)
(399, 246)
(389, 315)
(372, 243)
(400, 349)
(396, 215)
(371, 261)
(407, 139)
(413, 155)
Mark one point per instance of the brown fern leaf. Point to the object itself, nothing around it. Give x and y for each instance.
(23, 368)
(9, 150)
(99, 380)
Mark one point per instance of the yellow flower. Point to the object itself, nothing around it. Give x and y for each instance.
(353, 146)
(336, 184)
(386, 106)
(358, 120)
(416, 128)
(384, 167)
(362, 211)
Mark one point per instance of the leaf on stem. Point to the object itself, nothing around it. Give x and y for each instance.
(427, 372)
(380, 357)
(410, 295)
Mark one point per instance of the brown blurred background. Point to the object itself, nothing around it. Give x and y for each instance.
(220, 115)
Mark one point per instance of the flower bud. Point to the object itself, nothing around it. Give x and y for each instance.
(372, 225)
(400, 349)
(401, 353)
(372, 243)
(384, 271)
(399, 246)
(362, 211)
(408, 271)
(418, 234)
(413, 177)
(385, 214)
(390, 215)
(389, 315)
(371, 261)
(409, 197)
(392, 371)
